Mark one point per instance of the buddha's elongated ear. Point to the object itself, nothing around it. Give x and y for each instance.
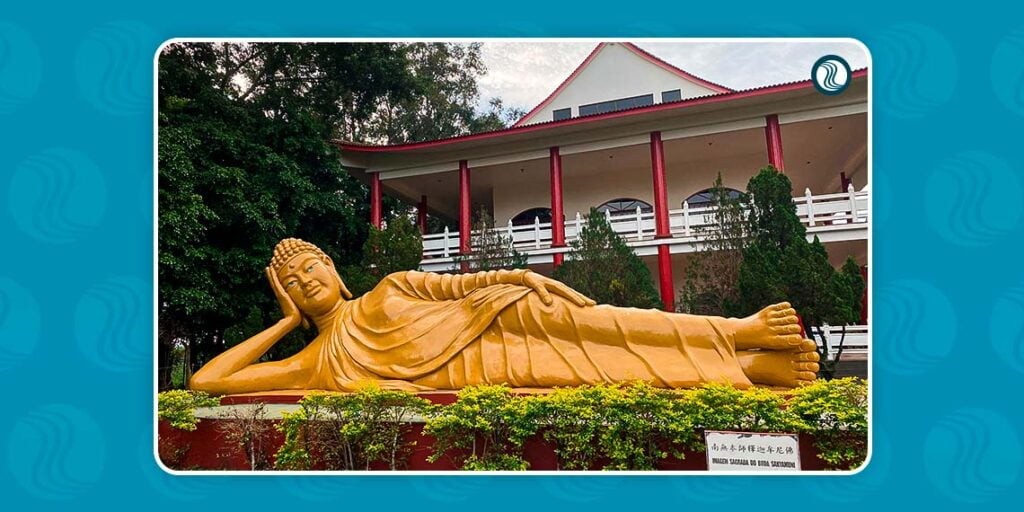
(344, 289)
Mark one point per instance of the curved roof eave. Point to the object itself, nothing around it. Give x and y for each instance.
(447, 143)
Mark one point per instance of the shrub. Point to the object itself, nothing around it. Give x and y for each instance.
(492, 250)
(642, 426)
(835, 412)
(178, 407)
(488, 422)
(350, 431)
(716, 406)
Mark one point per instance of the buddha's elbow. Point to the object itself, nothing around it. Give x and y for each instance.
(200, 382)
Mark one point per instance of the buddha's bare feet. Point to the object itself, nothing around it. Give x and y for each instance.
(775, 327)
(785, 368)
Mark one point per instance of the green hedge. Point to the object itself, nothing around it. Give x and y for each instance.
(622, 426)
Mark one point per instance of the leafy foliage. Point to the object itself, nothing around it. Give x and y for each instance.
(716, 406)
(484, 429)
(622, 426)
(602, 267)
(244, 161)
(350, 431)
(637, 427)
(397, 247)
(492, 250)
(780, 264)
(835, 412)
(178, 407)
(713, 271)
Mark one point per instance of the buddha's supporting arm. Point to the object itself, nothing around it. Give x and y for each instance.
(234, 371)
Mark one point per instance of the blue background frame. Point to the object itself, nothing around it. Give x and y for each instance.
(76, 233)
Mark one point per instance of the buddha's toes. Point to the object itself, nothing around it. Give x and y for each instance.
(786, 368)
(775, 327)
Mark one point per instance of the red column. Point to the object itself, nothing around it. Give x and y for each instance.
(773, 137)
(557, 217)
(421, 215)
(464, 204)
(661, 225)
(375, 200)
(660, 188)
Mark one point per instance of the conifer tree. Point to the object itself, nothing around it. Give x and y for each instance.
(781, 265)
(713, 271)
(602, 267)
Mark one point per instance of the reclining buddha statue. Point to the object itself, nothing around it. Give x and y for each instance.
(419, 331)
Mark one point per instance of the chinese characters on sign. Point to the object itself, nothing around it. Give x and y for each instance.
(748, 451)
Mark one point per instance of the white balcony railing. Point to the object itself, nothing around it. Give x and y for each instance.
(818, 213)
(856, 340)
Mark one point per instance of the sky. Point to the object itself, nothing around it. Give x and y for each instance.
(523, 74)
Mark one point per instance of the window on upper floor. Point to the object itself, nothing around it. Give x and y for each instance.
(667, 96)
(625, 204)
(562, 113)
(527, 217)
(619, 104)
(703, 198)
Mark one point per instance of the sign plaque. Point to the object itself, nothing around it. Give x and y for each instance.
(751, 451)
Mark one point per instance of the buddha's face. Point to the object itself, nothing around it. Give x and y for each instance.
(312, 283)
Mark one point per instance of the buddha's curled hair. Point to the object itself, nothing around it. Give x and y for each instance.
(289, 247)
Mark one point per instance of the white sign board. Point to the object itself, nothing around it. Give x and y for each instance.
(749, 451)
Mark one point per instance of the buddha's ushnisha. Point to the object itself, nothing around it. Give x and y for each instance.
(421, 331)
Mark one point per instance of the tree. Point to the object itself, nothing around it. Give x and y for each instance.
(396, 248)
(781, 265)
(491, 250)
(713, 271)
(444, 104)
(245, 160)
(601, 266)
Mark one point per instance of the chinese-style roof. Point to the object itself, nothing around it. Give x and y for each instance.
(639, 52)
(679, 104)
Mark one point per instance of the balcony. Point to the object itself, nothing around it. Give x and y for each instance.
(831, 217)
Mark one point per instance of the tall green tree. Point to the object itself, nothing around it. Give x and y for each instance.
(713, 271)
(445, 76)
(781, 265)
(245, 159)
(601, 266)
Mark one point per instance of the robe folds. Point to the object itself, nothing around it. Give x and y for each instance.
(420, 331)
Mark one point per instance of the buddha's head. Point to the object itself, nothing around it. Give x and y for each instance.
(308, 276)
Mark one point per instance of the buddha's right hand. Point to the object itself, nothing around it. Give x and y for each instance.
(292, 315)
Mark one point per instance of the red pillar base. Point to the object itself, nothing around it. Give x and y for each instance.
(558, 258)
(668, 296)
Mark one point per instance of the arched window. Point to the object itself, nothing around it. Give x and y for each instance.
(703, 198)
(624, 204)
(527, 216)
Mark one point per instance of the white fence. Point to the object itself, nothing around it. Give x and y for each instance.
(684, 223)
(855, 342)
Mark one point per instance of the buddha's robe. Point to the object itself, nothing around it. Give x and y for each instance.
(420, 331)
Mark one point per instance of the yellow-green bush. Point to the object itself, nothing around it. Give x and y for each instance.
(350, 431)
(178, 407)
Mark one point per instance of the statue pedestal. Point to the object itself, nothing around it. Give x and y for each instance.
(207, 448)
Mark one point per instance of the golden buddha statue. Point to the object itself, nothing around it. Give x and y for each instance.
(420, 331)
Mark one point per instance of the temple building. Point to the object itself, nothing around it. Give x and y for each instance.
(642, 141)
